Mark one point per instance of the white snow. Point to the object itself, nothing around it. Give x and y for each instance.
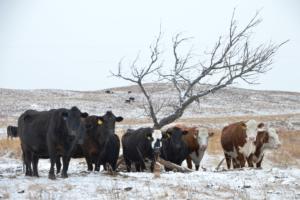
(269, 183)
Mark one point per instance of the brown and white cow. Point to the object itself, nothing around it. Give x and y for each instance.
(238, 141)
(265, 140)
(196, 140)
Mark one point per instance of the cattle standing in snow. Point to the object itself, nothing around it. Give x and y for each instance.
(196, 140)
(265, 140)
(110, 152)
(98, 131)
(109, 92)
(12, 131)
(132, 99)
(51, 133)
(238, 142)
(138, 145)
(174, 149)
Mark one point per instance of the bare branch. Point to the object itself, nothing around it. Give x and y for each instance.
(232, 58)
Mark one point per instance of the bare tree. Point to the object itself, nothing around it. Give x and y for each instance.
(232, 58)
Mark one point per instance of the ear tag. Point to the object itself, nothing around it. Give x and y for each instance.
(99, 122)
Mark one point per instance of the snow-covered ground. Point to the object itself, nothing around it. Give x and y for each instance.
(275, 181)
(268, 183)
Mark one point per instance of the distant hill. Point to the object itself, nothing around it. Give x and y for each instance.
(226, 102)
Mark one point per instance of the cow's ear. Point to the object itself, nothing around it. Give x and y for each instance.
(119, 119)
(210, 134)
(84, 115)
(244, 126)
(100, 121)
(165, 135)
(185, 132)
(65, 115)
(261, 127)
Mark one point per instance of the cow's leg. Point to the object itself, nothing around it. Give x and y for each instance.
(27, 160)
(189, 162)
(35, 160)
(143, 166)
(105, 167)
(258, 164)
(89, 163)
(97, 166)
(137, 166)
(53, 159)
(228, 160)
(197, 167)
(250, 161)
(58, 165)
(152, 165)
(128, 164)
(113, 165)
(197, 164)
(66, 161)
(235, 163)
(241, 161)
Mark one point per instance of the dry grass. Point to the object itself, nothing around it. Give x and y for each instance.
(288, 154)
(12, 147)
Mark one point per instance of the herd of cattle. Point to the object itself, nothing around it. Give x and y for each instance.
(70, 133)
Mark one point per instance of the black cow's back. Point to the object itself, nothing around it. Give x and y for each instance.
(136, 145)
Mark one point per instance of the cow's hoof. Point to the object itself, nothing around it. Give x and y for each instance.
(64, 175)
(52, 176)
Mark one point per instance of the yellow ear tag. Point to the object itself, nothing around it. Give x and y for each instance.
(99, 122)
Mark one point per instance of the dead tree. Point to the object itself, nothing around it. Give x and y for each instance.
(232, 58)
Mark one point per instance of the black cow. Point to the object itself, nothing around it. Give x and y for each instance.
(131, 99)
(12, 131)
(174, 149)
(111, 152)
(138, 145)
(98, 130)
(52, 133)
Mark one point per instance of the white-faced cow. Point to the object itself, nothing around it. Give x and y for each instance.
(238, 141)
(265, 140)
(196, 140)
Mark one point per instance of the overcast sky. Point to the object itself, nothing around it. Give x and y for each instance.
(74, 44)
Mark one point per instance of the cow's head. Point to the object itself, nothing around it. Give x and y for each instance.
(108, 122)
(202, 138)
(174, 137)
(73, 119)
(252, 128)
(267, 139)
(156, 142)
